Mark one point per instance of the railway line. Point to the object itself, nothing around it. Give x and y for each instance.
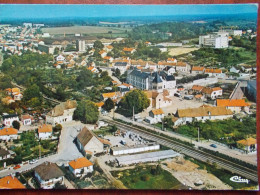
(235, 168)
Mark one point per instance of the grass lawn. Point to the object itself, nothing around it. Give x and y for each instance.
(133, 179)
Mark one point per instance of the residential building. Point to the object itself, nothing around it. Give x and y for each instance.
(197, 89)
(49, 49)
(197, 70)
(44, 131)
(134, 149)
(212, 93)
(4, 154)
(80, 45)
(202, 114)
(129, 50)
(60, 58)
(62, 112)
(169, 70)
(8, 119)
(122, 66)
(248, 144)
(234, 70)
(213, 72)
(158, 100)
(88, 143)
(236, 105)
(179, 66)
(103, 53)
(11, 182)
(151, 81)
(158, 114)
(99, 105)
(8, 134)
(80, 167)
(48, 174)
(111, 95)
(27, 119)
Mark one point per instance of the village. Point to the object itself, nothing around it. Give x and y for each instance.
(69, 143)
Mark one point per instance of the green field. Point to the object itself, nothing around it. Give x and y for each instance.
(90, 30)
(141, 178)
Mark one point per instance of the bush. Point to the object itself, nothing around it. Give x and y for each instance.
(145, 178)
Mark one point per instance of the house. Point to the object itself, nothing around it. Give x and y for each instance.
(45, 131)
(202, 114)
(169, 70)
(234, 70)
(27, 119)
(60, 58)
(18, 97)
(129, 50)
(236, 105)
(80, 167)
(93, 69)
(8, 134)
(62, 112)
(108, 58)
(197, 89)
(212, 93)
(109, 48)
(99, 105)
(87, 142)
(158, 100)
(248, 144)
(11, 182)
(48, 174)
(122, 66)
(179, 66)
(171, 60)
(111, 95)
(213, 72)
(8, 119)
(103, 53)
(197, 70)
(4, 154)
(158, 114)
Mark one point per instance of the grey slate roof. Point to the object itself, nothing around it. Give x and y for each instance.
(120, 64)
(48, 170)
(157, 78)
(252, 83)
(139, 74)
(9, 116)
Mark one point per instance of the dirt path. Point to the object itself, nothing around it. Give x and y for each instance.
(181, 50)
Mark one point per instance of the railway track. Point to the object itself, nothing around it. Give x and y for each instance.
(192, 152)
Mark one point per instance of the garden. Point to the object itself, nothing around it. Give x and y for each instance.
(147, 177)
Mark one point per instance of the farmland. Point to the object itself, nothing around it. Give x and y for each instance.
(84, 30)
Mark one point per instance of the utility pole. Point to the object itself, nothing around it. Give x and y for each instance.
(39, 149)
(198, 134)
(133, 113)
(162, 124)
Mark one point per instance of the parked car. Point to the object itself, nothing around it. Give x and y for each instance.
(33, 161)
(188, 97)
(177, 94)
(213, 145)
(17, 167)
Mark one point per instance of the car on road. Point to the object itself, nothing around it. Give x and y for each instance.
(177, 94)
(213, 145)
(17, 167)
(33, 161)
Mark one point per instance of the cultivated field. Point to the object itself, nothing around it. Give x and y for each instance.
(83, 30)
(181, 50)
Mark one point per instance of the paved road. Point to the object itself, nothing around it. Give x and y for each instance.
(110, 74)
(67, 150)
(237, 93)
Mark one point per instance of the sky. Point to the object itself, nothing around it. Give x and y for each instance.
(51, 11)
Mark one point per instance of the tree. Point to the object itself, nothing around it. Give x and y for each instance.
(137, 99)
(109, 105)
(87, 112)
(16, 125)
(98, 45)
(32, 92)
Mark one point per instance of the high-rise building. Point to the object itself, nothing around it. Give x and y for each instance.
(80, 45)
(216, 40)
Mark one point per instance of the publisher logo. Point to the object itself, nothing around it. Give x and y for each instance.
(238, 179)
